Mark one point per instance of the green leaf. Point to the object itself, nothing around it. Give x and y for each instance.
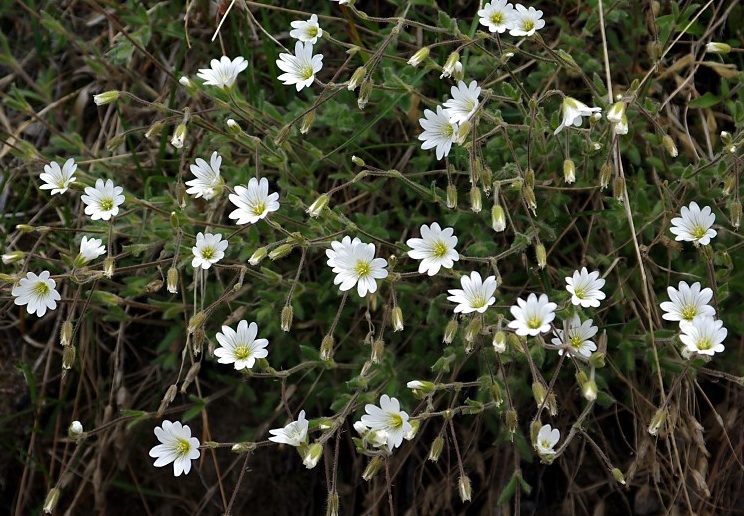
(706, 101)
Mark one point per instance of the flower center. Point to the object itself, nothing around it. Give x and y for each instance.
(306, 72)
(362, 268)
(534, 323)
(41, 289)
(497, 18)
(580, 292)
(576, 341)
(528, 25)
(439, 250)
(258, 209)
(688, 312)
(478, 301)
(207, 253)
(242, 352)
(447, 130)
(470, 105)
(704, 343)
(395, 421)
(545, 444)
(698, 232)
(107, 204)
(312, 32)
(182, 447)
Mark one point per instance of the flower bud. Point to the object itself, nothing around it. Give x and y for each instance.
(65, 334)
(326, 348)
(589, 390)
(569, 171)
(511, 421)
(68, 357)
(529, 198)
(154, 130)
(280, 252)
(243, 447)
(233, 127)
(475, 200)
(108, 266)
(621, 127)
(356, 78)
(197, 321)
(421, 388)
(541, 255)
(539, 393)
(106, 97)
(181, 195)
(605, 174)
(50, 502)
(735, 213)
(396, 318)
(473, 329)
(436, 448)
(463, 130)
(179, 135)
(378, 351)
(317, 206)
(25, 228)
(313, 455)
(616, 112)
(75, 431)
(715, 47)
(618, 475)
(449, 65)
(307, 121)
(172, 280)
(286, 317)
(417, 58)
(257, 256)
(13, 256)
(364, 91)
(358, 161)
(458, 73)
(618, 188)
(669, 145)
(465, 489)
(452, 197)
(372, 468)
(496, 394)
(498, 218)
(450, 331)
(657, 422)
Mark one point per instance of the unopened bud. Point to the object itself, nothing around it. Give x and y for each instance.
(417, 58)
(450, 331)
(372, 468)
(396, 317)
(511, 421)
(529, 178)
(108, 266)
(436, 448)
(258, 255)
(154, 130)
(283, 134)
(181, 195)
(50, 502)
(529, 198)
(197, 340)
(669, 145)
(179, 135)
(378, 350)
(498, 218)
(541, 255)
(569, 171)
(475, 200)
(473, 329)
(364, 91)
(735, 213)
(618, 188)
(13, 256)
(499, 341)
(172, 280)
(233, 127)
(450, 64)
(496, 395)
(286, 318)
(421, 388)
(657, 422)
(313, 455)
(197, 321)
(616, 113)
(169, 396)
(307, 121)
(68, 357)
(326, 348)
(358, 161)
(463, 130)
(465, 489)
(618, 475)
(539, 393)
(25, 228)
(356, 78)
(458, 73)
(605, 174)
(317, 206)
(451, 197)
(280, 252)
(106, 97)
(243, 447)
(715, 47)
(65, 334)
(589, 390)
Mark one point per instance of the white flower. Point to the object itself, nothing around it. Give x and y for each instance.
(435, 248)
(342, 2)
(254, 202)
(208, 182)
(453, 71)
(36, 292)
(223, 72)
(209, 249)
(307, 31)
(585, 288)
(576, 337)
(300, 69)
(547, 438)
(438, 132)
(177, 446)
(532, 317)
(75, 430)
(91, 249)
(103, 201)
(463, 103)
(58, 179)
(687, 302)
(497, 16)
(241, 348)
(704, 335)
(357, 265)
(389, 418)
(293, 434)
(476, 295)
(573, 110)
(376, 438)
(525, 22)
(339, 248)
(694, 225)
